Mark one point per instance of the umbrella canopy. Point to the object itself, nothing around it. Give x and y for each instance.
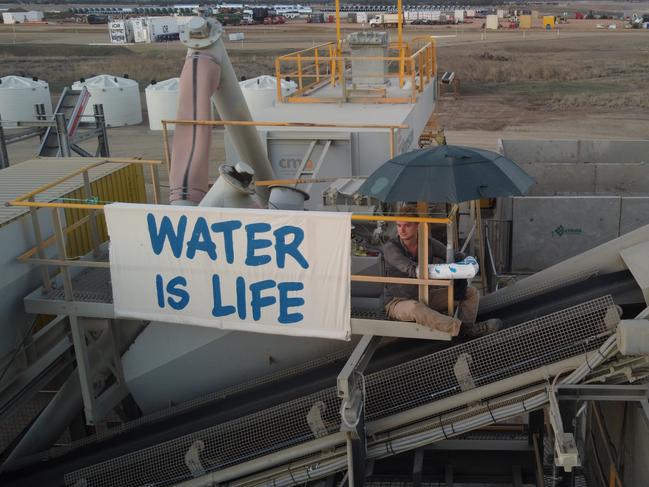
(446, 174)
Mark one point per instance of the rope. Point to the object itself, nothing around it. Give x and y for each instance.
(388, 445)
(94, 200)
(441, 425)
(491, 413)
(291, 474)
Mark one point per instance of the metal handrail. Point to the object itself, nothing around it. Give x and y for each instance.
(60, 232)
(330, 68)
(63, 261)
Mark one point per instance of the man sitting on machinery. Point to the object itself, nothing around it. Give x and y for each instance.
(402, 303)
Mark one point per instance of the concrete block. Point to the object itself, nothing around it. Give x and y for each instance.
(547, 230)
(540, 151)
(634, 213)
(613, 151)
(576, 151)
(561, 179)
(622, 179)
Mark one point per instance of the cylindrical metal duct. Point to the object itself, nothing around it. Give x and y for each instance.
(287, 198)
(205, 36)
(233, 189)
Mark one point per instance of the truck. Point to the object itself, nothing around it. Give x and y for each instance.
(228, 16)
(274, 19)
(385, 20)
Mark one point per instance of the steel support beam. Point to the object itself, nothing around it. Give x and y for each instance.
(597, 392)
(4, 156)
(481, 445)
(417, 467)
(604, 392)
(351, 390)
(62, 133)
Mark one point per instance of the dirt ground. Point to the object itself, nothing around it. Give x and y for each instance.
(577, 82)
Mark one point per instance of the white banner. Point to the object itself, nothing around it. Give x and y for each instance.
(265, 271)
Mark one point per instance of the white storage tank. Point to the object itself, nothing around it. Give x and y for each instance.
(162, 102)
(119, 96)
(18, 97)
(261, 92)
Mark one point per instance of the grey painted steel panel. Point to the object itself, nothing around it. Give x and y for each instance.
(287, 149)
(168, 363)
(547, 230)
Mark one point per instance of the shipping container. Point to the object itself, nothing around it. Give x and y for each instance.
(163, 29)
(120, 32)
(492, 22)
(548, 22)
(22, 17)
(140, 30)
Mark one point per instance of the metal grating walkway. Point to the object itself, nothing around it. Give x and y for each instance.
(93, 287)
(525, 347)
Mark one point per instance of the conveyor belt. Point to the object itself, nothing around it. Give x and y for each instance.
(404, 375)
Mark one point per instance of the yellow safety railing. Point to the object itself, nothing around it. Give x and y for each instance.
(90, 204)
(390, 129)
(323, 65)
(63, 261)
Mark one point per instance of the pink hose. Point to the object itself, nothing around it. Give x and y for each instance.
(191, 143)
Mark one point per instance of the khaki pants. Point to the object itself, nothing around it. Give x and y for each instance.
(412, 310)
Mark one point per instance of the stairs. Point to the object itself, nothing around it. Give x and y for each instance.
(71, 106)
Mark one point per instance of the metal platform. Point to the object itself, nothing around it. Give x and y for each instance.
(93, 298)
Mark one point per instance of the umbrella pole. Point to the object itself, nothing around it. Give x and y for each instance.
(474, 219)
(478, 222)
(422, 209)
(450, 255)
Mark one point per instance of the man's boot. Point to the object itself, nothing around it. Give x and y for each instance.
(481, 328)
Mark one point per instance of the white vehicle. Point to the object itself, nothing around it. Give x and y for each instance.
(384, 20)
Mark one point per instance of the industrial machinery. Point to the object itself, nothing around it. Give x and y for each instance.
(179, 405)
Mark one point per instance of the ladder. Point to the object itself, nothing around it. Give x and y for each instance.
(69, 109)
(307, 167)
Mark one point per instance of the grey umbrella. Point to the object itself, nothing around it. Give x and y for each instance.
(446, 174)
